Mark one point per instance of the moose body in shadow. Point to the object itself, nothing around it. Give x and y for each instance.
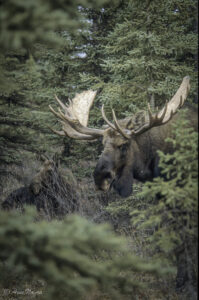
(48, 191)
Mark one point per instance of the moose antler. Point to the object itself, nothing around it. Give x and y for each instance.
(116, 126)
(157, 119)
(170, 108)
(74, 117)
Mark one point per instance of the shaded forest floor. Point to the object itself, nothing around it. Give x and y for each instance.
(93, 206)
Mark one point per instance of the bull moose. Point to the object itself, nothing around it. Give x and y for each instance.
(130, 145)
(130, 148)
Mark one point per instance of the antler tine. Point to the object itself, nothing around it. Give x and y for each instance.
(78, 136)
(60, 133)
(61, 103)
(151, 118)
(120, 130)
(75, 124)
(60, 114)
(177, 100)
(105, 118)
(164, 112)
(72, 120)
(72, 133)
(74, 117)
(181, 102)
(154, 120)
(170, 108)
(70, 101)
(55, 113)
(64, 117)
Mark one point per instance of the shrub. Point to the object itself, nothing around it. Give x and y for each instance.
(73, 257)
(173, 217)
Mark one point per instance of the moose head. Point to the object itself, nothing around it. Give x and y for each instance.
(43, 178)
(130, 149)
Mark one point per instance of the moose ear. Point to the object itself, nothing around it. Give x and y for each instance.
(123, 185)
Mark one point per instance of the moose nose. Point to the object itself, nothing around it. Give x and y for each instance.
(101, 173)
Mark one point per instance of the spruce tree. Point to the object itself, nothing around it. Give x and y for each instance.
(174, 217)
(74, 258)
(145, 53)
(37, 59)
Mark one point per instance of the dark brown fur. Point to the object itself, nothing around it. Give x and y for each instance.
(124, 160)
(48, 191)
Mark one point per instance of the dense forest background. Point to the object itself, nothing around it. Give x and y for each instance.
(132, 53)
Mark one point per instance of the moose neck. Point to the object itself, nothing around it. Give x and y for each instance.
(145, 157)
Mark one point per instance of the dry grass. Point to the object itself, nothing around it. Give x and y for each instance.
(90, 204)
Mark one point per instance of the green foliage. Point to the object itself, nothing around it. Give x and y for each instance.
(174, 216)
(128, 60)
(145, 52)
(132, 52)
(73, 256)
(124, 205)
(26, 22)
(39, 57)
